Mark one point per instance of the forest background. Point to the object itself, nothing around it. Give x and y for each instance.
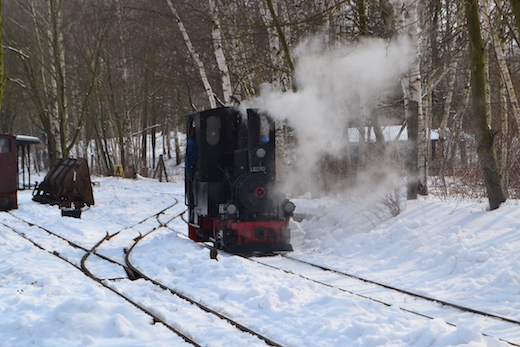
(100, 78)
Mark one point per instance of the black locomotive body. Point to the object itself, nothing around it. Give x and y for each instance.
(231, 189)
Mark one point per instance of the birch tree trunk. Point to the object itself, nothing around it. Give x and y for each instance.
(281, 35)
(443, 144)
(123, 120)
(416, 96)
(504, 158)
(277, 45)
(195, 56)
(507, 91)
(417, 127)
(244, 87)
(483, 137)
(502, 64)
(218, 43)
(36, 67)
(282, 77)
(57, 53)
(449, 98)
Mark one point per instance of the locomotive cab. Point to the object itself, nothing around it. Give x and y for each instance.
(231, 188)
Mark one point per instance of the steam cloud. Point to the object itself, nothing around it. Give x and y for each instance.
(335, 85)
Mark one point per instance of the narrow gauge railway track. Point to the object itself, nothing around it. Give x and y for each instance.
(75, 244)
(201, 306)
(154, 317)
(133, 274)
(406, 300)
(108, 237)
(404, 291)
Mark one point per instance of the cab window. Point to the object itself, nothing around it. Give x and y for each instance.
(5, 145)
(265, 129)
(213, 130)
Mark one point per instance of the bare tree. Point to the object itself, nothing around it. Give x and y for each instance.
(279, 51)
(195, 56)
(218, 43)
(3, 78)
(412, 89)
(484, 139)
(515, 4)
(89, 74)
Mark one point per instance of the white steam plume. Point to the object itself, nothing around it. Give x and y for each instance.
(334, 86)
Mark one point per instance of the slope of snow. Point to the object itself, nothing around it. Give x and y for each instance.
(452, 250)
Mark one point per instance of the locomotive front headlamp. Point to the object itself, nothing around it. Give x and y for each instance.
(288, 207)
(260, 152)
(231, 209)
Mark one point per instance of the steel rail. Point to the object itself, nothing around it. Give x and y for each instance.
(154, 317)
(134, 273)
(404, 291)
(192, 301)
(441, 302)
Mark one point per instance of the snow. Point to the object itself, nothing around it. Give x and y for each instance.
(451, 250)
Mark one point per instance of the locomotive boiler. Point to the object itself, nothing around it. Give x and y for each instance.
(231, 189)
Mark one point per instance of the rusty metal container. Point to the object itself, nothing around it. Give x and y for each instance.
(68, 185)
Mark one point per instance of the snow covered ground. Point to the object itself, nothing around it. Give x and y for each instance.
(452, 250)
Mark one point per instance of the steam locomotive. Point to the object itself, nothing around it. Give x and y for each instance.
(231, 189)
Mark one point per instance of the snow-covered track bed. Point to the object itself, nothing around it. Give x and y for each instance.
(106, 263)
(289, 308)
(199, 317)
(502, 328)
(49, 246)
(195, 318)
(111, 250)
